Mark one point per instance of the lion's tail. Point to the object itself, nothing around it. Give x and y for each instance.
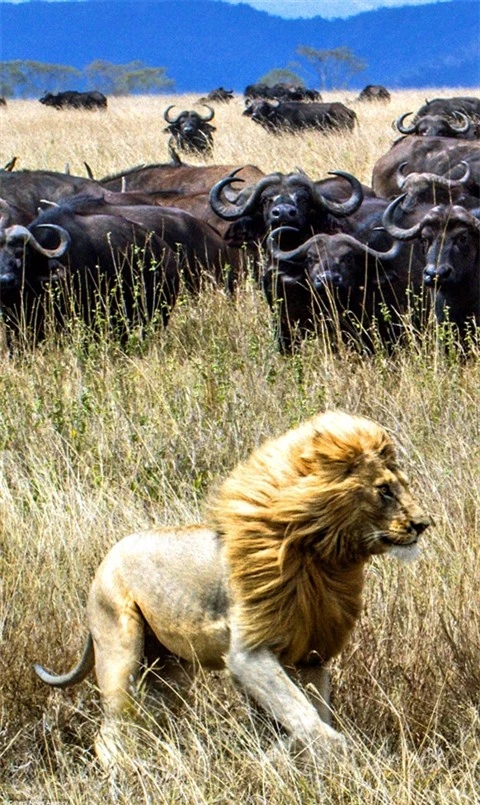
(74, 676)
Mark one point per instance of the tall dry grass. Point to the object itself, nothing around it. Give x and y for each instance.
(95, 443)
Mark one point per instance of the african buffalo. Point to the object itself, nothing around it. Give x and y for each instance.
(450, 236)
(444, 156)
(180, 185)
(439, 126)
(357, 293)
(448, 107)
(219, 95)
(190, 131)
(201, 252)
(71, 99)
(285, 199)
(111, 272)
(297, 116)
(281, 92)
(374, 92)
(429, 188)
(28, 188)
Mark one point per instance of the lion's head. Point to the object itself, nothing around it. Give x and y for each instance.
(298, 521)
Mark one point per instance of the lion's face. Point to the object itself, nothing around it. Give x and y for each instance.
(390, 520)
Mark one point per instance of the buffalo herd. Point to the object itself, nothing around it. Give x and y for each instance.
(332, 255)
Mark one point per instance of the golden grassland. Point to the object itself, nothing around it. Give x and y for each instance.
(95, 443)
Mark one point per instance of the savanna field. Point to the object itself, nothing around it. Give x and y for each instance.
(96, 443)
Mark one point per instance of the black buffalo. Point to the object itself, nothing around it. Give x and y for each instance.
(191, 131)
(219, 95)
(109, 271)
(444, 156)
(280, 199)
(281, 92)
(448, 107)
(423, 188)
(180, 185)
(71, 99)
(450, 236)
(439, 126)
(297, 116)
(374, 92)
(201, 253)
(28, 189)
(357, 293)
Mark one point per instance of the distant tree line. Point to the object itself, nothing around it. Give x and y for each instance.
(26, 79)
(333, 68)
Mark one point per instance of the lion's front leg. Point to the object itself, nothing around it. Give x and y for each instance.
(261, 674)
(315, 681)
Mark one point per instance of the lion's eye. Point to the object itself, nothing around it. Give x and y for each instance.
(385, 492)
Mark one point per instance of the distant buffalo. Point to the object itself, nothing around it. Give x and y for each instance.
(191, 132)
(75, 100)
(219, 95)
(374, 92)
(281, 92)
(298, 115)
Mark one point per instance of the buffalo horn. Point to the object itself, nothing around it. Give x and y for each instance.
(394, 230)
(167, 118)
(21, 232)
(296, 254)
(464, 125)
(210, 115)
(292, 255)
(402, 128)
(235, 212)
(342, 208)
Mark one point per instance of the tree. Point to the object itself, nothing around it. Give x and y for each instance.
(334, 67)
(29, 78)
(281, 75)
(123, 79)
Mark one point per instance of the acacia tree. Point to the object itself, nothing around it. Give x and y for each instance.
(334, 67)
(123, 79)
(281, 75)
(29, 78)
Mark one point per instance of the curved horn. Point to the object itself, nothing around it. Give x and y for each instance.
(390, 254)
(342, 208)
(5, 213)
(25, 234)
(394, 230)
(210, 115)
(466, 176)
(464, 126)
(400, 175)
(232, 214)
(403, 129)
(167, 118)
(295, 254)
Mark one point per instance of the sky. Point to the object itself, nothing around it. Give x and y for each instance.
(311, 8)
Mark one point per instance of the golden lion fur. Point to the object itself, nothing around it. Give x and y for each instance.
(291, 517)
(274, 580)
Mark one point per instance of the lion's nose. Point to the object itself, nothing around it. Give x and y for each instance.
(419, 526)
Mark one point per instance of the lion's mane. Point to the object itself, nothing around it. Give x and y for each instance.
(290, 519)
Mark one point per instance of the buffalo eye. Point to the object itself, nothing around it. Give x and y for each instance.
(462, 239)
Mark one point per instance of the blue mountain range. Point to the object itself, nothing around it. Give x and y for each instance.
(207, 43)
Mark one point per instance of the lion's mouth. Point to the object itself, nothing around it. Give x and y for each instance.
(396, 543)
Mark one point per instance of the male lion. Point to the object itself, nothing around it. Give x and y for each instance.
(271, 588)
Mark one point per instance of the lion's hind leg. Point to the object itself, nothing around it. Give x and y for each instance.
(118, 630)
